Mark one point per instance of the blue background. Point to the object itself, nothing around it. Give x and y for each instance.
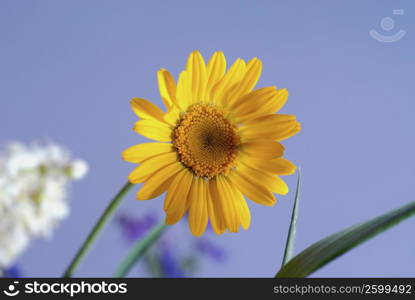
(69, 68)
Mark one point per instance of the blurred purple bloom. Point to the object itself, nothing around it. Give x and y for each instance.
(166, 260)
(12, 272)
(210, 250)
(134, 228)
(169, 265)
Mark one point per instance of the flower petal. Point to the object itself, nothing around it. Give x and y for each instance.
(281, 186)
(280, 100)
(197, 71)
(184, 90)
(252, 104)
(167, 87)
(273, 182)
(230, 80)
(280, 166)
(175, 203)
(198, 212)
(215, 70)
(264, 101)
(276, 126)
(242, 209)
(172, 116)
(263, 148)
(252, 189)
(215, 215)
(287, 134)
(146, 110)
(159, 182)
(225, 197)
(270, 120)
(151, 165)
(140, 152)
(248, 82)
(154, 130)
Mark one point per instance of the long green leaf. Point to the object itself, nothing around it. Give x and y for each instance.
(289, 246)
(331, 247)
(139, 249)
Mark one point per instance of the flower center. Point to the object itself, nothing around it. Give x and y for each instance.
(206, 142)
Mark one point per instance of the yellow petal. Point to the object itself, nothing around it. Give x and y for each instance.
(289, 133)
(230, 80)
(272, 182)
(280, 166)
(197, 71)
(175, 203)
(282, 187)
(255, 191)
(280, 100)
(151, 165)
(184, 91)
(215, 70)
(248, 82)
(276, 126)
(170, 196)
(198, 212)
(252, 104)
(215, 215)
(146, 110)
(264, 101)
(140, 152)
(227, 203)
(242, 209)
(159, 182)
(167, 87)
(172, 116)
(270, 120)
(263, 148)
(154, 130)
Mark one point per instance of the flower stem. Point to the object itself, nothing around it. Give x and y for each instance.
(139, 249)
(97, 229)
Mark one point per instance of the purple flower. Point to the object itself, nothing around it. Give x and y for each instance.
(169, 265)
(209, 249)
(164, 259)
(134, 228)
(12, 272)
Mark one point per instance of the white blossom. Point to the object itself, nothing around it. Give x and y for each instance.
(78, 169)
(34, 183)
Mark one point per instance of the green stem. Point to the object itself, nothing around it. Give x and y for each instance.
(97, 229)
(139, 249)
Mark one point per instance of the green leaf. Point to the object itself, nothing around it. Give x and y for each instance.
(139, 249)
(331, 247)
(289, 246)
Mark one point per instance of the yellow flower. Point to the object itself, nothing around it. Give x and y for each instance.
(218, 142)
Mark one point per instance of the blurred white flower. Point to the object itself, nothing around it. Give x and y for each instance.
(78, 169)
(33, 194)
